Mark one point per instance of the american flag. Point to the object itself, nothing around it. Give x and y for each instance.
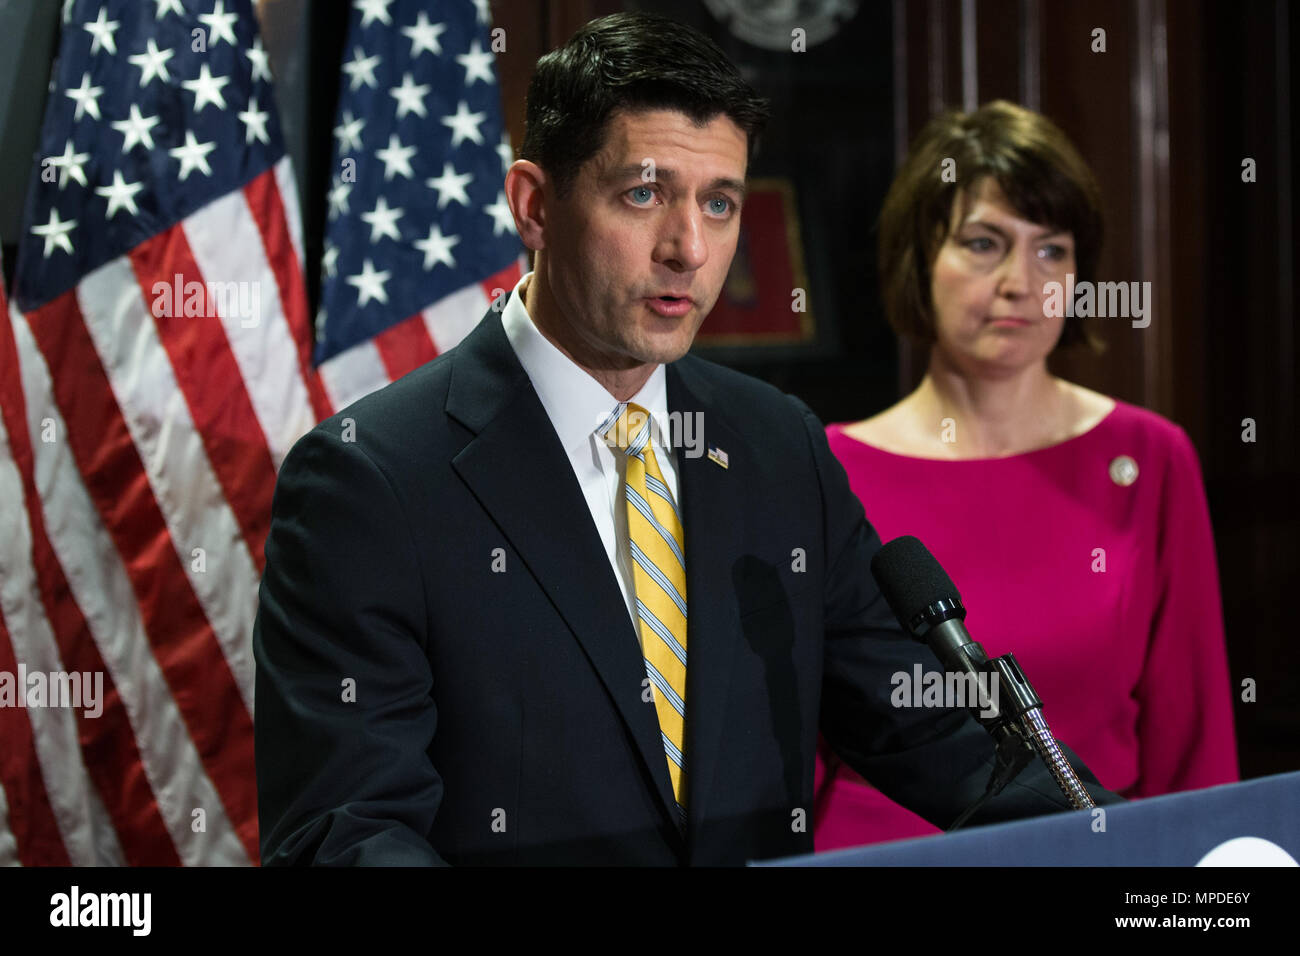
(154, 371)
(420, 239)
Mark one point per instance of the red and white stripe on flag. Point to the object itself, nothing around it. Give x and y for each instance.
(143, 419)
(139, 454)
(154, 371)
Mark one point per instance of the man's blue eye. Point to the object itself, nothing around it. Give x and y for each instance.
(726, 204)
(641, 195)
(979, 244)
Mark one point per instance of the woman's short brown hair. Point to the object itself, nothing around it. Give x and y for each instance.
(1039, 171)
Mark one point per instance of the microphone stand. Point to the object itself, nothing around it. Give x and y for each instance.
(1019, 731)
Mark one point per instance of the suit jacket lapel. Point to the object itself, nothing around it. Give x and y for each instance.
(712, 523)
(517, 469)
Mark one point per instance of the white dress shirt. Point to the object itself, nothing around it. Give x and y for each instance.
(577, 404)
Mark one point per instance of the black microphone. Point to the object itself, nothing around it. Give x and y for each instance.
(927, 605)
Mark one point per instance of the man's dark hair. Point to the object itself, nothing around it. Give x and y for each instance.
(628, 62)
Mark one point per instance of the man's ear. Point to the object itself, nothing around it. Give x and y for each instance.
(527, 190)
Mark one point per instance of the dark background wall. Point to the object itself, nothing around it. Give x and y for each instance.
(1185, 90)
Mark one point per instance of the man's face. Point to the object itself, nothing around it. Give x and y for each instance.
(655, 214)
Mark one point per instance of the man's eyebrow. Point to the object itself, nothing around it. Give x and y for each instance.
(634, 170)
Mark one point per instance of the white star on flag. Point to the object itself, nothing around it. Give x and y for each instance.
(260, 62)
(361, 69)
(207, 88)
(410, 98)
(330, 259)
(136, 129)
(424, 36)
(120, 195)
(55, 233)
(450, 185)
(437, 248)
(152, 63)
(69, 164)
(193, 155)
(464, 125)
(102, 30)
(338, 198)
(477, 64)
(396, 158)
(370, 284)
(220, 24)
(372, 10)
(87, 98)
(348, 132)
(383, 221)
(254, 122)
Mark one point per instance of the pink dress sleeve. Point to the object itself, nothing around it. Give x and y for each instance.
(1185, 722)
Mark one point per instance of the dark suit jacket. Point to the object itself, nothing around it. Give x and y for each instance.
(447, 672)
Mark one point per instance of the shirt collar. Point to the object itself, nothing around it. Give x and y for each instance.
(574, 401)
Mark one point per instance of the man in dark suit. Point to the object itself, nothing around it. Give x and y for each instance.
(507, 618)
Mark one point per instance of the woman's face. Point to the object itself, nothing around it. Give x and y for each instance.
(987, 286)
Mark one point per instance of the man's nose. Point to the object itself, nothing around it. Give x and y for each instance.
(682, 243)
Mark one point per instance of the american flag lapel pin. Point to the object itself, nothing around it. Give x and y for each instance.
(718, 456)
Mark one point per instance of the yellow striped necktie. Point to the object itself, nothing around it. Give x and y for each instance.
(658, 549)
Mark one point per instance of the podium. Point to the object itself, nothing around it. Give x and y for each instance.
(1228, 824)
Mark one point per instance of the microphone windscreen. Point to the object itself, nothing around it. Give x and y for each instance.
(910, 578)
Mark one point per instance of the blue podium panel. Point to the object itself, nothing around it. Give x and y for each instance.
(1180, 829)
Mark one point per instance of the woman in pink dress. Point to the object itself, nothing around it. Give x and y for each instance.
(1075, 526)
